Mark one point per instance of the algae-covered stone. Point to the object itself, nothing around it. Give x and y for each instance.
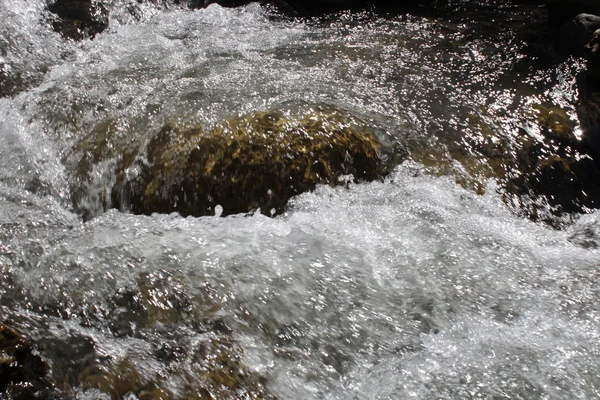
(588, 111)
(157, 337)
(560, 11)
(574, 35)
(255, 161)
(161, 299)
(555, 176)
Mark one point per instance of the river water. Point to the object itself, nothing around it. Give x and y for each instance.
(424, 285)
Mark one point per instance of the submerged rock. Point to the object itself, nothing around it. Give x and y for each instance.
(318, 7)
(23, 373)
(588, 111)
(156, 337)
(546, 173)
(210, 367)
(556, 176)
(11, 82)
(192, 352)
(79, 19)
(255, 161)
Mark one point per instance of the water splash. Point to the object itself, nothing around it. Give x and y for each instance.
(411, 287)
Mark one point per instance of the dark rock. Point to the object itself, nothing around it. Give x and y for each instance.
(323, 7)
(17, 361)
(592, 54)
(200, 355)
(575, 34)
(79, 19)
(23, 373)
(256, 161)
(545, 174)
(70, 353)
(558, 176)
(11, 82)
(568, 185)
(588, 111)
(316, 7)
(586, 234)
(561, 11)
(223, 3)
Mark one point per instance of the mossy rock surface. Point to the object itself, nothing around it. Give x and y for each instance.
(243, 164)
(18, 364)
(588, 111)
(553, 176)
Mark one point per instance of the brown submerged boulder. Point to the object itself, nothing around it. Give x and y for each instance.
(561, 171)
(588, 111)
(547, 173)
(200, 355)
(255, 161)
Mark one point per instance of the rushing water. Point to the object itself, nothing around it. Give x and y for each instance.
(412, 287)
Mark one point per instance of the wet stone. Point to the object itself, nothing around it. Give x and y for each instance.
(194, 354)
(560, 11)
(71, 353)
(557, 176)
(79, 19)
(189, 350)
(575, 34)
(23, 373)
(257, 161)
(592, 53)
(11, 82)
(546, 177)
(210, 368)
(588, 111)
(160, 300)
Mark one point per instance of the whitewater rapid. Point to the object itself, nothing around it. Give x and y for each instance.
(408, 287)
